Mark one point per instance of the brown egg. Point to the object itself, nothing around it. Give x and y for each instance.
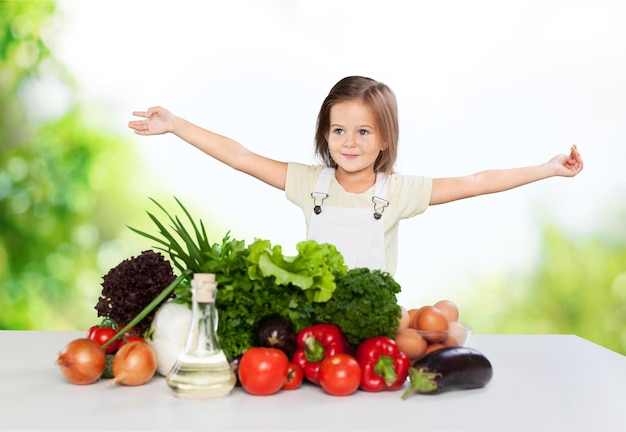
(434, 347)
(404, 320)
(449, 309)
(457, 334)
(412, 314)
(432, 324)
(411, 343)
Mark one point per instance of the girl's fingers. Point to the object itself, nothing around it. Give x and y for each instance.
(139, 125)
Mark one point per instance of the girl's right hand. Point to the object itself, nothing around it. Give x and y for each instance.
(157, 121)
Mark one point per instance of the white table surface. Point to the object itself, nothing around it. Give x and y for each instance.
(540, 383)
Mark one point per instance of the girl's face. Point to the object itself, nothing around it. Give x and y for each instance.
(354, 140)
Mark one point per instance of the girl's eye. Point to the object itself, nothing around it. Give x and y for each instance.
(363, 132)
(338, 131)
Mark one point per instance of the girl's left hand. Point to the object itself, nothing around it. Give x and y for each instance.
(568, 165)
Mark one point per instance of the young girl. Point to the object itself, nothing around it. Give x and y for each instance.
(354, 200)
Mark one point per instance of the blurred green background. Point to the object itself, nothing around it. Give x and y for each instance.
(69, 187)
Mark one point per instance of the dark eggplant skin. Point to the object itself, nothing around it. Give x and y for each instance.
(275, 331)
(453, 368)
(234, 365)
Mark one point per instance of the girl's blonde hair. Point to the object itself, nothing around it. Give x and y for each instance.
(380, 100)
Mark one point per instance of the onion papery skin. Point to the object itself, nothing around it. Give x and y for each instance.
(134, 364)
(82, 361)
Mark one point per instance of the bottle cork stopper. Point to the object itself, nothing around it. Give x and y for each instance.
(204, 286)
(204, 277)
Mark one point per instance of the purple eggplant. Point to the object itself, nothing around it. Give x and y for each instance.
(275, 331)
(234, 365)
(453, 368)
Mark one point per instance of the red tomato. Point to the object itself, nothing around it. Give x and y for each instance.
(128, 339)
(295, 375)
(263, 371)
(102, 335)
(133, 332)
(340, 374)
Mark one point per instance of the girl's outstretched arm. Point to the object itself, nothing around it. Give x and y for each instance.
(158, 120)
(491, 181)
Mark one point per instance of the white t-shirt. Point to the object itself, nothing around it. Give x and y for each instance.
(408, 196)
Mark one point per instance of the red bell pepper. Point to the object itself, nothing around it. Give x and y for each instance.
(314, 344)
(383, 365)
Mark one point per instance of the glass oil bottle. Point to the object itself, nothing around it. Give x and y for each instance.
(202, 370)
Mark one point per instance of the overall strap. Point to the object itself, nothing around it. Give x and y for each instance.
(320, 193)
(323, 182)
(381, 189)
(379, 199)
(380, 195)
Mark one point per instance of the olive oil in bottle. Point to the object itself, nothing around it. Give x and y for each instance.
(202, 370)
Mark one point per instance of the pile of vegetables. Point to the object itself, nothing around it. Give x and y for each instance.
(282, 319)
(116, 348)
(256, 281)
(323, 357)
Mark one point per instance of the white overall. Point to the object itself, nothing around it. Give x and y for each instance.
(358, 234)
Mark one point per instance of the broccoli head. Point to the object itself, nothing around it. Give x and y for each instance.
(363, 305)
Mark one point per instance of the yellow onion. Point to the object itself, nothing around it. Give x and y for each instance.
(82, 361)
(134, 364)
